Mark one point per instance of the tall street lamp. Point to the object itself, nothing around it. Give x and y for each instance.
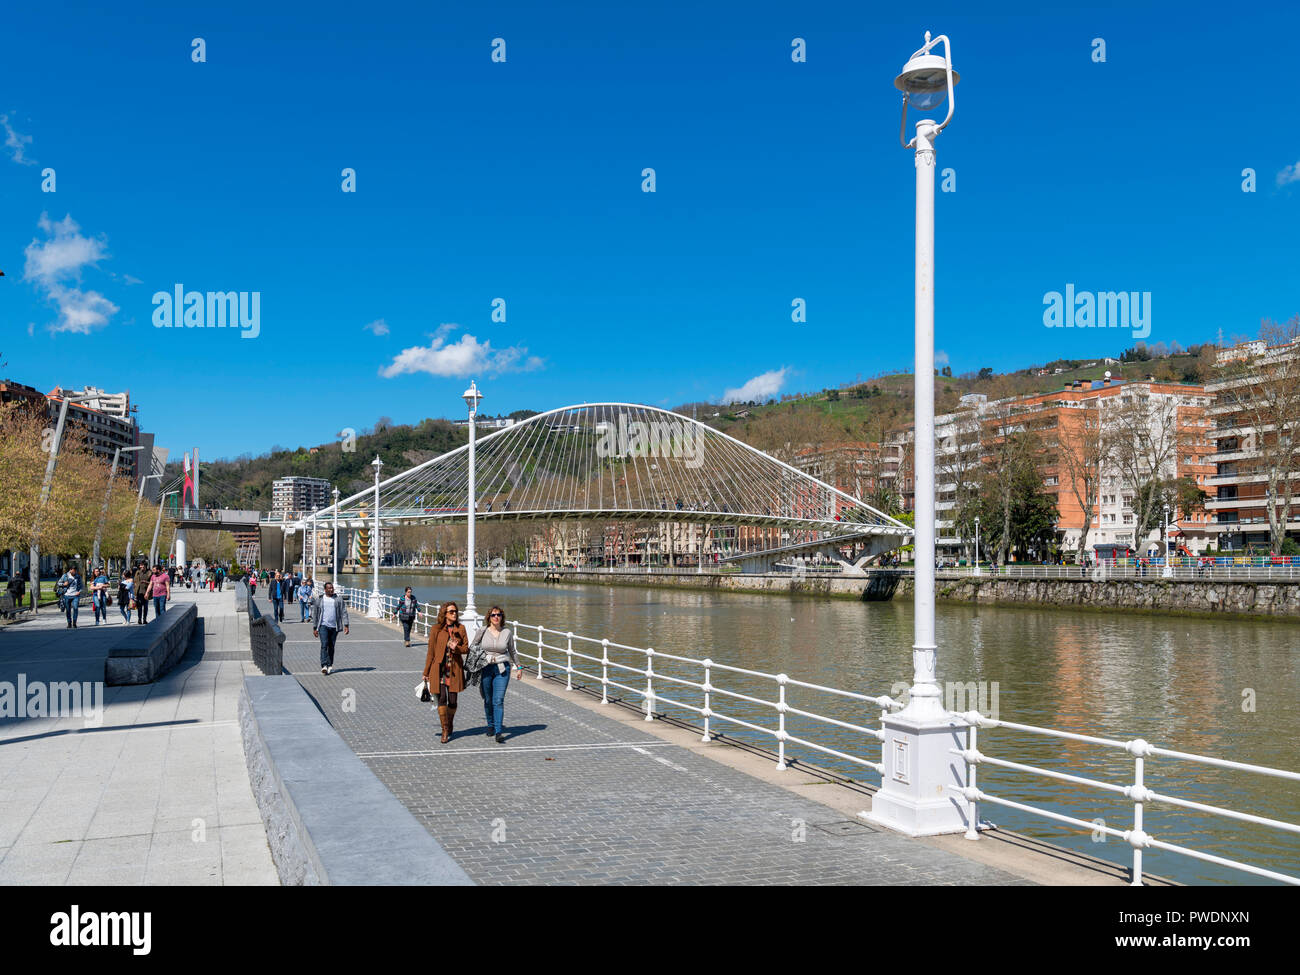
(103, 512)
(918, 768)
(130, 540)
(376, 597)
(1169, 565)
(470, 619)
(334, 548)
(977, 544)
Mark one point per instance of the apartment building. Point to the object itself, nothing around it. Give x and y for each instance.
(296, 494)
(106, 430)
(1250, 406)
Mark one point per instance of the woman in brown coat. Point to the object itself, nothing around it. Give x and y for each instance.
(444, 665)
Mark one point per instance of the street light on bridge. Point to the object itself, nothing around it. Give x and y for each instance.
(334, 549)
(917, 764)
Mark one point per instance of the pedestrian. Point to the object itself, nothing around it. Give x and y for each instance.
(160, 588)
(252, 584)
(99, 594)
(327, 613)
(221, 576)
(275, 592)
(142, 594)
(69, 587)
(304, 600)
(125, 595)
(406, 611)
(444, 664)
(490, 668)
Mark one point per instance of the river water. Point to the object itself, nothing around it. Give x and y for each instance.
(1224, 688)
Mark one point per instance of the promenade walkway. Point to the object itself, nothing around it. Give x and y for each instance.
(582, 794)
(154, 792)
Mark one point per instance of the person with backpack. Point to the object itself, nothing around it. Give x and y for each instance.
(406, 611)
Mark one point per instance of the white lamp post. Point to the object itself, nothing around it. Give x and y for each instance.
(977, 544)
(1169, 565)
(376, 597)
(334, 549)
(914, 797)
(130, 540)
(470, 618)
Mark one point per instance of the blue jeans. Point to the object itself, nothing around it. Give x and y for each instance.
(277, 610)
(305, 608)
(159, 604)
(492, 685)
(124, 607)
(70, 606)
(99, 603)
(328, 634)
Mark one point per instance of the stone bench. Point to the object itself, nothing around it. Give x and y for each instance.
(329, 819)
(147, 652)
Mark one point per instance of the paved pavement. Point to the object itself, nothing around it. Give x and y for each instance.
(154, 792)
(576, 797)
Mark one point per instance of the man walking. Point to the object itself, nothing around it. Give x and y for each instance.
(304, 599)
(70, 585)
(275, 592)
(327, 613)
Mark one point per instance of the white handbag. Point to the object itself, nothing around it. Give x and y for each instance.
(422, 691)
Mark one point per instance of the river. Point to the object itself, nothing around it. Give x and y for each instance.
(1224, 688)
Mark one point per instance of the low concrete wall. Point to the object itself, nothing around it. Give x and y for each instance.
(329, 820)
(147, 652)
(1236, 598)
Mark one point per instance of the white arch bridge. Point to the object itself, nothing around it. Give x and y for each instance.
(625, 462)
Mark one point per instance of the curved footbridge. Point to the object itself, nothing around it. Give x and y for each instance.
(585, 793)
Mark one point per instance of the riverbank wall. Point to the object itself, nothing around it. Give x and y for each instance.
(1202, 597)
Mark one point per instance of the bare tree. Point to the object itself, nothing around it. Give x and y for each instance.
(1080, 453)
(1265, 394)
(1143, 436)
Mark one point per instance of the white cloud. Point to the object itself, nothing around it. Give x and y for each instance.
(1289, 174)
(16, 142)
(940, 358)
(757, 389)
(378, 327)
(54, 265)
(462, 358)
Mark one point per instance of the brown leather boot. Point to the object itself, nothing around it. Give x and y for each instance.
(446, 723)
(451, 718)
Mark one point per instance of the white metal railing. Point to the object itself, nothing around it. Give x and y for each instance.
(628, 677)
(1137, 791)
(1223, 570)
(556, 649)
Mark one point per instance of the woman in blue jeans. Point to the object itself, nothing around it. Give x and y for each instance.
(496, 641)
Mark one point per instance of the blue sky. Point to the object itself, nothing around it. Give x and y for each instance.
(522, 180)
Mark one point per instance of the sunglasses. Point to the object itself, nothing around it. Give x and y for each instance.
(496, 615)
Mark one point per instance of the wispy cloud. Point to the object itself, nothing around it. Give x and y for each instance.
(940, 357)
(759, 388)
(377, 327)
(16, 143)
(463, 358)
(1289, 174)
(54, 266)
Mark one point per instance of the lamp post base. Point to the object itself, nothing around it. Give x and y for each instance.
(376, 610)
(914, 798)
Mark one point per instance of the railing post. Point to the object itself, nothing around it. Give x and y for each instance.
(649, 684)
(541, 639)
(708, 664)
(780, 727)
(604, 671)
(1137, 821)
(568, 681)
(972, 807)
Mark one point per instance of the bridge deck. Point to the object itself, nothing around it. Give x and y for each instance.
(584, 795)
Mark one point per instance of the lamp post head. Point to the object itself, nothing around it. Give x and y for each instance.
(926, 80)
(376, 464)
(472, 397)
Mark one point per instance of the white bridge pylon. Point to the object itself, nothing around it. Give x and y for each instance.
(617, 462)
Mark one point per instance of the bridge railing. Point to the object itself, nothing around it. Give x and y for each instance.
(1135, 791)
(619, 666)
